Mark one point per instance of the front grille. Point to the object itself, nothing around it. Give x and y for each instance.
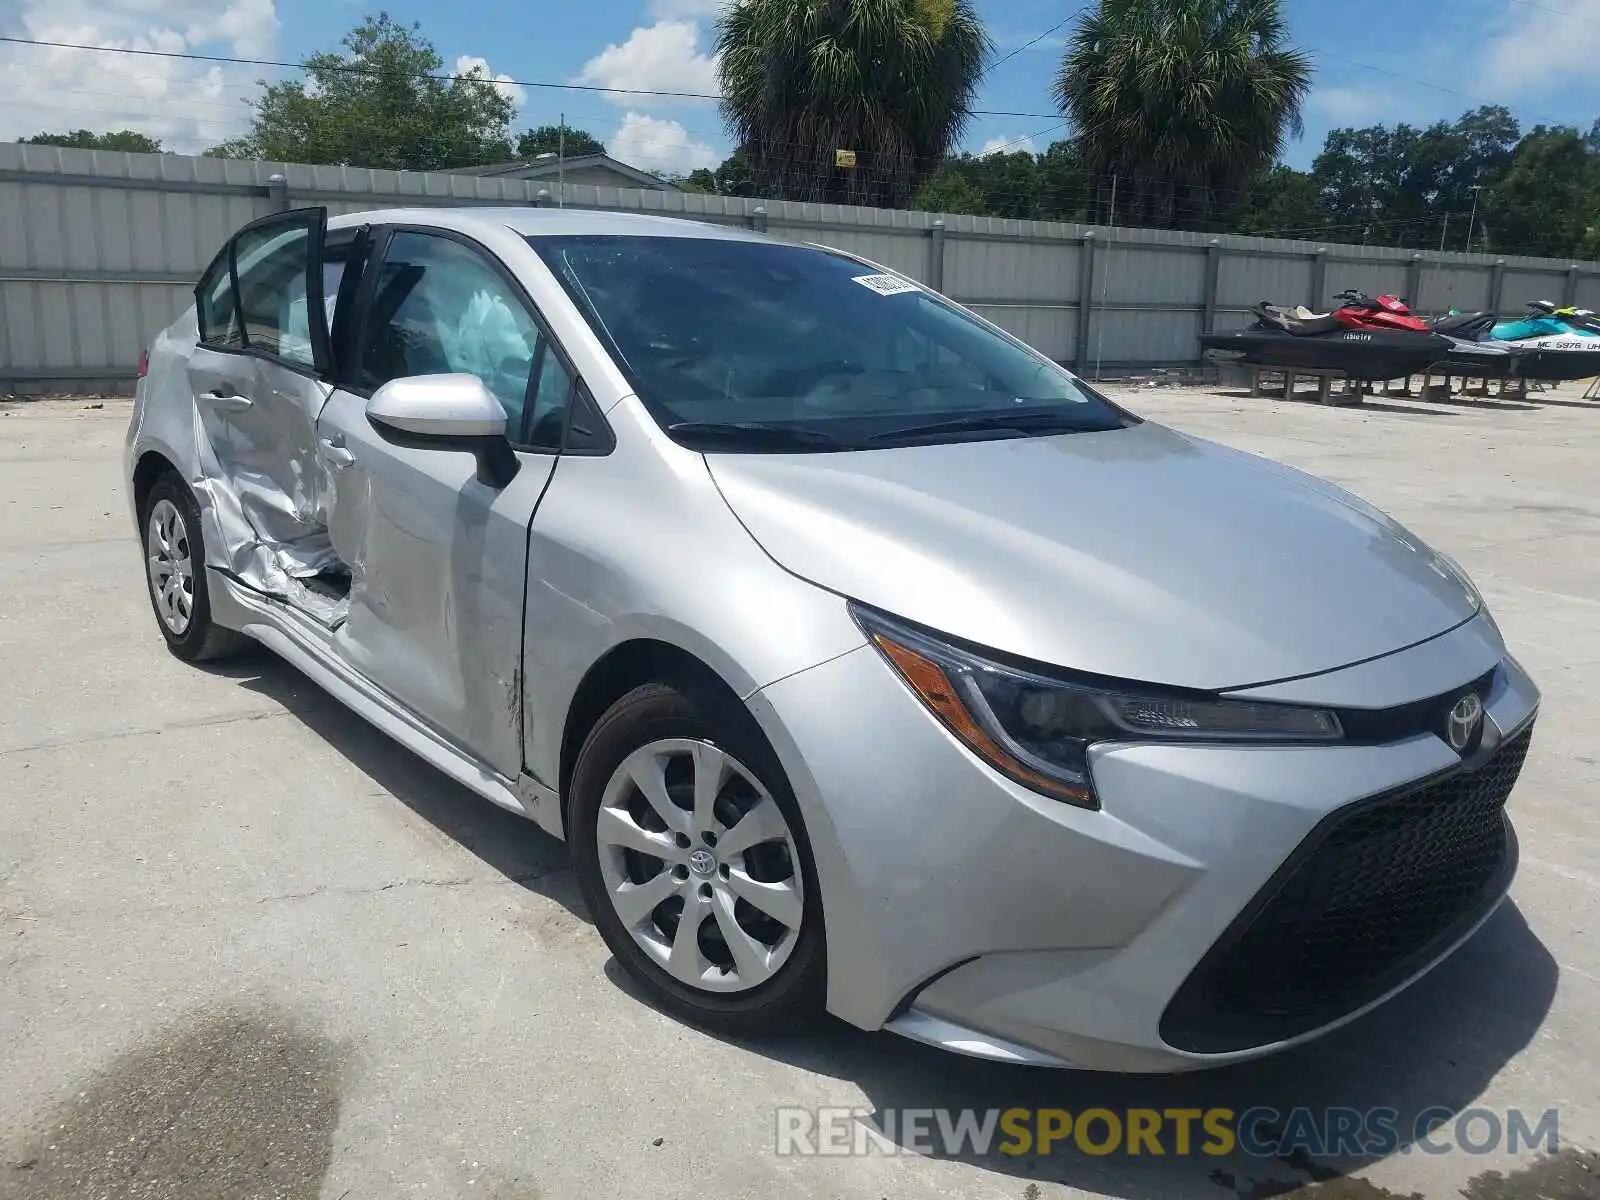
(1374, 891)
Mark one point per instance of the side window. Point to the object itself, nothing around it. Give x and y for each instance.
(440, 308)
(270, 263)
(218, 312)
(550, 399)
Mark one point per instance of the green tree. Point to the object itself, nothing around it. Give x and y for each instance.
(1546, 201)
(1409, 187)
(83, 139)
(1282, 203)
(735, 176)
(1183, 101)
(381, 103)
(1064, 184)
(548, 139)
(892, 80)
(1020, 185)
(950, 190)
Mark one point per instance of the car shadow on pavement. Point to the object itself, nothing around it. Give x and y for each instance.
(1434, 1047)
(512, 845)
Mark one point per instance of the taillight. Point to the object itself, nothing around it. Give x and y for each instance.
(144, 363)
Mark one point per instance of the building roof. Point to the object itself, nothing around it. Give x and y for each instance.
(550, 168)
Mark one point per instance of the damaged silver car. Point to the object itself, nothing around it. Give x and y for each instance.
(868, 661)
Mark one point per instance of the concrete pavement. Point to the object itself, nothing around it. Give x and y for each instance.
(249, 947)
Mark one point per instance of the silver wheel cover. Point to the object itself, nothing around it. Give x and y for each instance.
(171, 570)
(700, 865)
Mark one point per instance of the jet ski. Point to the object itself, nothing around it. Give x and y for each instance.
(1357, 342)
(1554, 348)
(1472, 351)
(1577, 318)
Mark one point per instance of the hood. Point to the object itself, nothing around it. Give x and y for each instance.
(1139, 553)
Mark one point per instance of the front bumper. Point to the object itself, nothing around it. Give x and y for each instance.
(965, 910)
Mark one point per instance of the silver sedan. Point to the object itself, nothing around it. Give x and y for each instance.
(869, 661)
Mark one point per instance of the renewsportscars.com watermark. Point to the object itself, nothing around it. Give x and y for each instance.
(1259, 1132)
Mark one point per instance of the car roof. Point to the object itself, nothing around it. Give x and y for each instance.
(546, 222)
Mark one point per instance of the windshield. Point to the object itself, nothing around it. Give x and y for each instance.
(746, 345)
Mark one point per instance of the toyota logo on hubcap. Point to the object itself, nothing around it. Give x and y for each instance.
(702, 862)
(1461, 728)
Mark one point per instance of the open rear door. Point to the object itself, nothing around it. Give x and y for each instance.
(258, 377)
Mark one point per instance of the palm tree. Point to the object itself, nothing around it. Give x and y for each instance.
(892, 80)
(1183, 102)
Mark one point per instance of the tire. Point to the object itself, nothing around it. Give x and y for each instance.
(674, 723)
(169, 521)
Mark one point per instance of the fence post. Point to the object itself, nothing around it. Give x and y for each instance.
(1570, 297)
(758, 219)
(278, 192)
(1208, 317)
(936, 256)
(1497, 285)
(1080, 356)
(1413, 294)
(1319, 279)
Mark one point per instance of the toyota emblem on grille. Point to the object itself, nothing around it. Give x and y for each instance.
(1461, 727)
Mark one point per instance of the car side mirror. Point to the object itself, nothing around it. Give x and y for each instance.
(446, 412)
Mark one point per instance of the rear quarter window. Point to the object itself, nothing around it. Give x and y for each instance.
(217, 307)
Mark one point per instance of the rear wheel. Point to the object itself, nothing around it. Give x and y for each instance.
(691, 855)
(175, 560)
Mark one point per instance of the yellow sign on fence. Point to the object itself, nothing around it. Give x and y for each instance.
(844, 158)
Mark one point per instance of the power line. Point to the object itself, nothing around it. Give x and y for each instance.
(440, 76)
(1027, 45)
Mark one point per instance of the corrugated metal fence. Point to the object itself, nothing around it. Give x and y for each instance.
(99, 250)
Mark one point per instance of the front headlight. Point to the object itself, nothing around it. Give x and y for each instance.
(1037, 729)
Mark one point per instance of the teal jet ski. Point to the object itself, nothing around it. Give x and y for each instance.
(1554, 347)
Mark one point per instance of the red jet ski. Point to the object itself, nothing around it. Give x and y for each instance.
(1360, 311)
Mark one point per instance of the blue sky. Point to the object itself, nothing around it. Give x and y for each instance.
(1378, 61)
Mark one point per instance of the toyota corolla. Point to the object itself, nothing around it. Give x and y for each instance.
(869, 661)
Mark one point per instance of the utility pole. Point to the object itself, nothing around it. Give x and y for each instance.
(1445, 231)
(1476, 188)
(561, 163)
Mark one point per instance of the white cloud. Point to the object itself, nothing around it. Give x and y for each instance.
(1539, 57)
(476, 64)
(1005, 145)
(663, 57)
(1353, 105)
(654, 144)
(187, 105)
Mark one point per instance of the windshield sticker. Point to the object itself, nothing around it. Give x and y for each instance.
(886, 285)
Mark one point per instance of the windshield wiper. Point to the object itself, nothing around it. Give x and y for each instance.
(755, 435)
(1025, 421)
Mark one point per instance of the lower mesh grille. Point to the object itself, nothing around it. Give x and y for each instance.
(1375, 890)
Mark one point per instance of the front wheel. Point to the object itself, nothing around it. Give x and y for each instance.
(691, 854)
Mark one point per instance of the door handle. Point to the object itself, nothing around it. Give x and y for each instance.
(224, 399)
(335, 455)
